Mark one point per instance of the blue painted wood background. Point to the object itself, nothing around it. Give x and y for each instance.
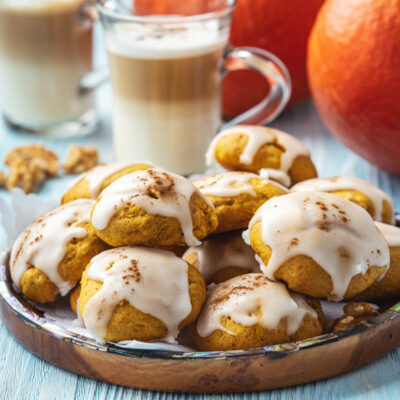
(24, 376)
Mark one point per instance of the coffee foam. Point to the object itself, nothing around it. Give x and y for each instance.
(138, 41)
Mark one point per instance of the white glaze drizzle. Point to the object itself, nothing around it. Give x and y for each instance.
(281, 177)
(258, 136)
(240, 298)
(42, 245)
(336, 233)
(221, 251)
(175, 193)
(222, 185)
(231, 183)
(97, 175)
(391, 233)
(153, 281)
(376, 195)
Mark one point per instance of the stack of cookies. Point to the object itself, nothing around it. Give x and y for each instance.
(135, 246)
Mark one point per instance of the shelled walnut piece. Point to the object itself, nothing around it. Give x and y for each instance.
(80, 159)
(29, 166)
(44, 158)
(354, 314)
(26, 175)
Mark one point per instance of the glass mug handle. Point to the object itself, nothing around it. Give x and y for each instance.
(274, 71)
(95, 78)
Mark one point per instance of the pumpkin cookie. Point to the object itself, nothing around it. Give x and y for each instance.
(251, 311)
(153, 208)
(389, 285)
(251, 148)
(90, 184)
(319, 244)
(236, 196)
(49, 257)
(136, 293)
(374, 200)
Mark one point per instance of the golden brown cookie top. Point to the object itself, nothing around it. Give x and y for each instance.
(97, 175)
(336, 233)
(376, 195)
(43, 244)
(252, 299)
(157, 192)
(257, 137)
(153, 281)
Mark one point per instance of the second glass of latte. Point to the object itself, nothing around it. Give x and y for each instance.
(45, 50)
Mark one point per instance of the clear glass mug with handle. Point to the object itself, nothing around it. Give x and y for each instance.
(45, 52)
(167, 59)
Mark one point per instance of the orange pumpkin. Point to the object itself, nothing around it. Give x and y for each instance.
(354, 74)
(279, 26)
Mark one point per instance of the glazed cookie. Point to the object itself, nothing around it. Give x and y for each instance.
(251, 148)
(74, 298)
(153, 207)
(389, 285)
(251, 311)
(366, 195)
(222, 257)
(319, 244)
(236, 196)
(136, 293)
(91, 183)
(50, 255)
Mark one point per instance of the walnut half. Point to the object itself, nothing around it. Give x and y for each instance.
(354, 314)
(80, 159)
(34, 152)
(26, 175)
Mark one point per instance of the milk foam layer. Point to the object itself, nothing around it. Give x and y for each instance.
(337, 234)
(140, 41)
(240, 298)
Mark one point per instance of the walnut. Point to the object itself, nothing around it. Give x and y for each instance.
(26, 175)
(3, 180)
(354, 314)
(80, 159)
(34, 152)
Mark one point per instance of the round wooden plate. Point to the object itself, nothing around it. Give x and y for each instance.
(236, 371)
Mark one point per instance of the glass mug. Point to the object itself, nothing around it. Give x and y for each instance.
(166, 73)
(46, 49)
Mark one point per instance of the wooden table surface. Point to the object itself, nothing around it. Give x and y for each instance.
(24, 376)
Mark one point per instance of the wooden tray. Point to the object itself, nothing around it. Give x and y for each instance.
(236, 371)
